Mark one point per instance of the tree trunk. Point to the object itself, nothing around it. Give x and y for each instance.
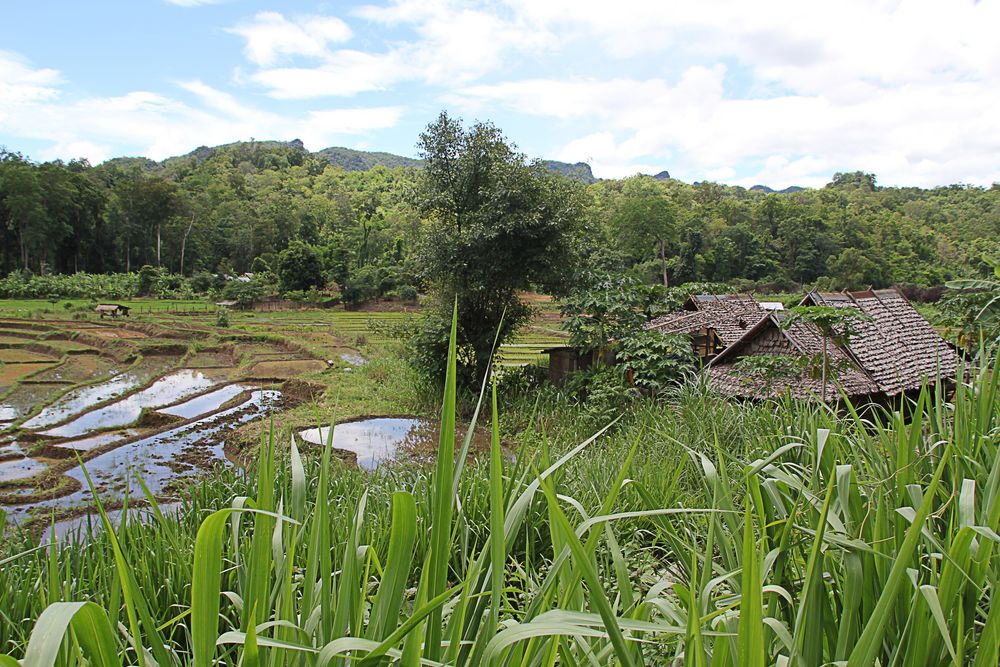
(184, 242)
(663, 262)
(128, 256)
(157, 245)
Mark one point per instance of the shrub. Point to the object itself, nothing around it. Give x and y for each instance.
(147, 279)
(362, 285)
(657, 360)
(299, 267)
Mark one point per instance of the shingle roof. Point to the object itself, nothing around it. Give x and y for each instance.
(730, 315)
(799, 339)
(897, 347)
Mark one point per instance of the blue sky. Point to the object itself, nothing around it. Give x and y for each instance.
(781, 92)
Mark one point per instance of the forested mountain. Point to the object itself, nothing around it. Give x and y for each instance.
(223, 208)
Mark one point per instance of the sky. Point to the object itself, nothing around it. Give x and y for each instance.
(776, 92)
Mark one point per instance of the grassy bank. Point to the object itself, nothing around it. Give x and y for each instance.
(724, 534)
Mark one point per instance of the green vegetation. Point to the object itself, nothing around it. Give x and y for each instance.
(773, 533)
(631, 517)
(216, 210)
(495, 226)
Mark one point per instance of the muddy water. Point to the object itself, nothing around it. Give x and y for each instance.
(164, 391)
(373, 440)
(210, 402)
(353, 358)
(158, 458)
(19, 469)
(78, 400)
(86, 444)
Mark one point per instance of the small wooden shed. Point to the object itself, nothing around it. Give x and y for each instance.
(565, 360)
(112, 310)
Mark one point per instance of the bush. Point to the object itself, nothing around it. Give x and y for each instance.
(657, 360)
(147, 279)
(222, 318)
(299, 267)
(603, 391)
(362, 285)
(25, 285)
(407, 293)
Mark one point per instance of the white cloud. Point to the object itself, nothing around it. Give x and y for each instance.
(903, 89)
(453, 44)
(158, 126)
(270, 36)
(21, 84)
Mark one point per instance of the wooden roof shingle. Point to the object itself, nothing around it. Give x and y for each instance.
(730, 315)
(896, 346)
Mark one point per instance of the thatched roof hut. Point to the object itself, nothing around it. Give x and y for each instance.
(713, 321)
(893, 351)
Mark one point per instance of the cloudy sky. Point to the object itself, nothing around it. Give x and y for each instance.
(778, 92)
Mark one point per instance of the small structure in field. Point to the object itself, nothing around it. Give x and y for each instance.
(228, 304)
(567, 359)
(713, 321)
(893, 351)
(115, 310)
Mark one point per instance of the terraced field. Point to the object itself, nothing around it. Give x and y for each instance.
(147, 398)
(168, 394)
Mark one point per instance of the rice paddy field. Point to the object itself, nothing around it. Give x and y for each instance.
(242, 529)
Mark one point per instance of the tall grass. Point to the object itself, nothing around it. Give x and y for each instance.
(781, 534)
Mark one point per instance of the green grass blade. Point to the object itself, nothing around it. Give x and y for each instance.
(90, 628)
(442, 498)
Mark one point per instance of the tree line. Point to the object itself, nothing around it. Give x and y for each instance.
(219, 210)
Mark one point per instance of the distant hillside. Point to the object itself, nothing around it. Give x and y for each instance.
(791, 189)
(578, 172)
(349, 159)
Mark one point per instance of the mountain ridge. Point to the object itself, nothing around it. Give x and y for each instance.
(352, 159)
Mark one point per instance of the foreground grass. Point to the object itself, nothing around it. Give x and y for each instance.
(776, 534)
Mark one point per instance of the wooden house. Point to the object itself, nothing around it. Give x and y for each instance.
(713, 321)
(894, 351)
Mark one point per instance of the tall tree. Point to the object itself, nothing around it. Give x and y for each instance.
(646, 221)
(496, 224)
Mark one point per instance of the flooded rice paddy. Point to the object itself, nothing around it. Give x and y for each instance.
(164, 391)
(379, 439)
(131, 405)
(371, 440)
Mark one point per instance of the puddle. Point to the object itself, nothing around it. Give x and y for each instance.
(86, 444)
(164, 391)
(373, 440)
(353, 358)
(160, 459)
(84, 526)
(8, 413)
(20, 469)
(210, 402)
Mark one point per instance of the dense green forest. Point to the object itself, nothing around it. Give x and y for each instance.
(217, 210)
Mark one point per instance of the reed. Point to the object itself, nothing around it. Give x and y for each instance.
(698, 533)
